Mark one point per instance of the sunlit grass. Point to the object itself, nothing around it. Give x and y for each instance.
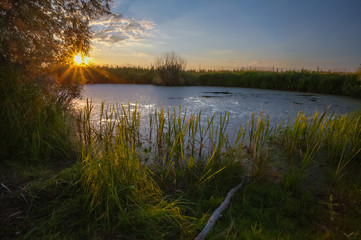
(123, 168)
(182, 137)
(164, 182)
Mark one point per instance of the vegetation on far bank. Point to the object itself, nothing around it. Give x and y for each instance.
(338, 83)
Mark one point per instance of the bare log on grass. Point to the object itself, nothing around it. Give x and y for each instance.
(217, 213)
(4, 186)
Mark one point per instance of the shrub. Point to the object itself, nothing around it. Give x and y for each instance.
(169, 69)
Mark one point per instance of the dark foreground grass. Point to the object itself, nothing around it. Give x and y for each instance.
(303, 183)
(262, 210)
(36, 141)
(34, 119)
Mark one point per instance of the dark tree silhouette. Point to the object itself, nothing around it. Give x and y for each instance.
(35, 32)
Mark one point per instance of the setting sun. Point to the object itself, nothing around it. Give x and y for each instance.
(80, 60)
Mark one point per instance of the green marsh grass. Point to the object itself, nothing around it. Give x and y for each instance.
(164, 183)
(343, 140)
(35, 126)
(336, 138)
(179, 135)
(118, 187)
(259, 136)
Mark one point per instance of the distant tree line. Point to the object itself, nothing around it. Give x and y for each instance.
(169, 70)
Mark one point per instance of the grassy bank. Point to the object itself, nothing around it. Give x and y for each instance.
(348, 84)
(164, 183)
(36, 140)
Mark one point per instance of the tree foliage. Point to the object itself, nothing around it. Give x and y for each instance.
(36, 36)
(169, 68)
(34, 32)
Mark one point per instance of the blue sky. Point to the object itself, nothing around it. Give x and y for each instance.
(230, 34)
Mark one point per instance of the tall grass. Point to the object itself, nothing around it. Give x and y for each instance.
(126, 173)
(181, 138)
(163, 182)
(336, 138)
(34, 123)
(123, 190)
(343, 140)
(118, 187)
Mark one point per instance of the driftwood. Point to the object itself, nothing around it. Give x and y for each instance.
(4, 186)
(217, 213)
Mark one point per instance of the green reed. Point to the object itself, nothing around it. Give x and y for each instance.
(343, 140)
(118, 181)
(160, 121)
(259, 136)
(192, 131)
(313, 140)
(337, 137)
(162, 183)
(203, 132)
(118, 186)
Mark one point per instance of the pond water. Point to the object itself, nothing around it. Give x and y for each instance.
(240, 102)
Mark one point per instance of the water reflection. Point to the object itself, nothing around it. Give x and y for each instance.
(240, 102)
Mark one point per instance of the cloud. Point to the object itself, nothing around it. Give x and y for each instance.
(115, 29)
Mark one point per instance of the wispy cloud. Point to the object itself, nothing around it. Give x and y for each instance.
(115, 29)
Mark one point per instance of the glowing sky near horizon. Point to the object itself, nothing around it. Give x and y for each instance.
(232, 33)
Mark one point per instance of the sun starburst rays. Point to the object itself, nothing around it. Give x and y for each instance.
(80, 60)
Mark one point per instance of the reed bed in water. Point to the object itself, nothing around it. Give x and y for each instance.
(126, 173)
(176, 138)
(118, 187)
(336, 139)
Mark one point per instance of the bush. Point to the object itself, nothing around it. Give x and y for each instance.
(169, 69)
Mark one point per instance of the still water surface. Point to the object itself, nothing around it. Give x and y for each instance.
(240, 102)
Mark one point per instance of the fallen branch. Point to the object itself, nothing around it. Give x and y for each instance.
(4, 186)
(217, 213)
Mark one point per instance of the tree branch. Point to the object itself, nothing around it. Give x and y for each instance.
(217, 213)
